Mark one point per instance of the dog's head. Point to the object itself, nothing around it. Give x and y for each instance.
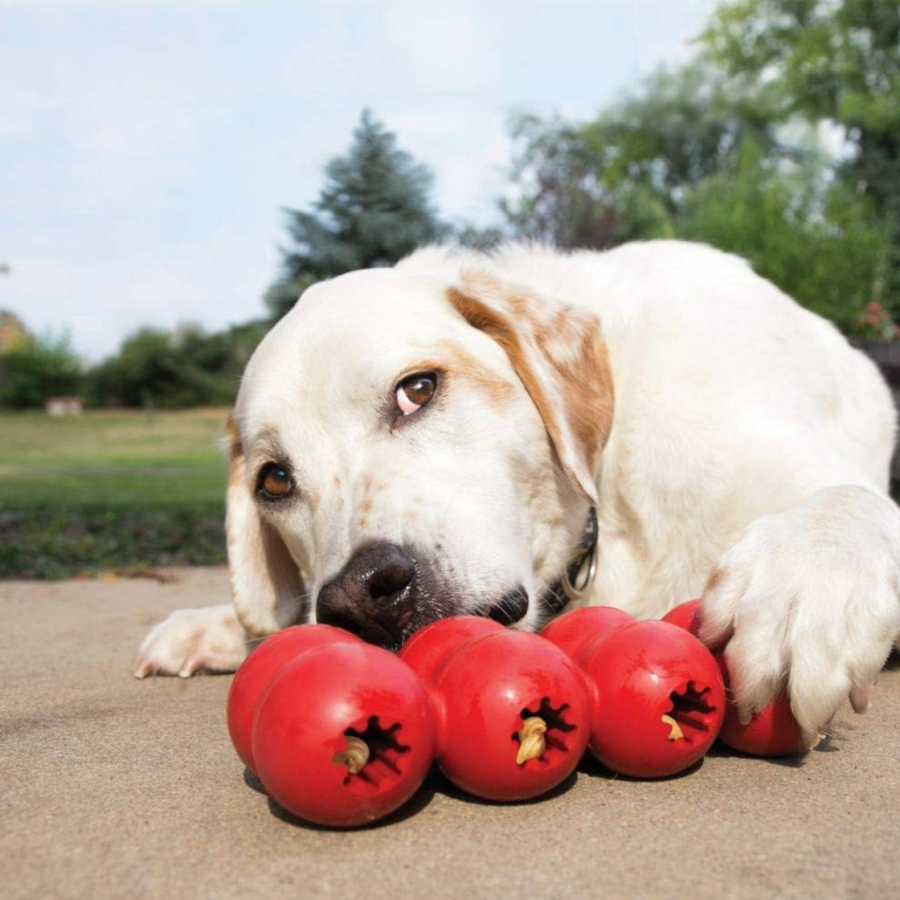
(403, 449)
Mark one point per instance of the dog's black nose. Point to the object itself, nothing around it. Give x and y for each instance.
(373, 596)
(511, 607)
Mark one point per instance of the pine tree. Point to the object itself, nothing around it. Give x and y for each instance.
(375, 208)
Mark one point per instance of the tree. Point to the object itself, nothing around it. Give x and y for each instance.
(825, 61)
(187, 367)
(557, 196)
(727, 150)
(375, 209)
(681, 127)
(478, 237)
(12, 331)
(35, 369)
(812, 237)
(625, 175)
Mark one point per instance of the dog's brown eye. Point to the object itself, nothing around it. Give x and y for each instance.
(274, 483)
(415, 391)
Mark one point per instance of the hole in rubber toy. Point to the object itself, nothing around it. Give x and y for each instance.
(372, 754)
(688, 712)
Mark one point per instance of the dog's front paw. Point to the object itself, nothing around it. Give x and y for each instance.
(188, 640)
(808, 602)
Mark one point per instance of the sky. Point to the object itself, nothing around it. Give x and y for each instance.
(149, 147)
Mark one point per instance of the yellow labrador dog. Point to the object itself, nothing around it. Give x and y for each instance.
(496, 434)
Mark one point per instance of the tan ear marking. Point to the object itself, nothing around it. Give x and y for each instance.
(589, 395)
(233, 435)
(715, 577)
(479, 315)
(560, 356)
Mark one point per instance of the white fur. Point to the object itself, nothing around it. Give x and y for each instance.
(808, 598)
(192, 639)
(747, 436)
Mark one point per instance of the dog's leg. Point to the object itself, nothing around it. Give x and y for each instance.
(809, 601)
(192, 639)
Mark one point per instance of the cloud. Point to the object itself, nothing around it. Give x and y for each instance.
(365, 53)
(467, 149)
(17, 125)
(449, 48)
(131, 142)
(104, 125)
(24, 111)
(148, 145)
(117, 5)
(667, 30)
(102, 300)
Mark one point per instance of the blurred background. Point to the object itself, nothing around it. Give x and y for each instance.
(175, 172)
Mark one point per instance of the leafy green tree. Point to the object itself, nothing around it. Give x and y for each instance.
(682, 127)
(813, 238)
(375, 208)
(663, 165)
(726, 150)
(35, 369)
(557, 197)
(184, 368)
(146, 372)
(825, 61)
(626, 174)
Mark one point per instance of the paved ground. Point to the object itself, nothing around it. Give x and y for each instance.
(111, 787)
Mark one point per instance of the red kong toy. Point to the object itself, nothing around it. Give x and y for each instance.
(659, 699)
(260, 668)
(515, 716)
(514, 711)
(574, 631)
(344, 734)
(773, 731)
(430, 646)
(686, 616)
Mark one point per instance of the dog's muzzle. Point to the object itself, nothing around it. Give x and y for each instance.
(373, 596)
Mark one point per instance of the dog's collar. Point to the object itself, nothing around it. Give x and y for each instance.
(580, 572)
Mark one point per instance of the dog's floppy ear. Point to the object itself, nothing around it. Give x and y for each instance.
(265, 581)
(560, 356)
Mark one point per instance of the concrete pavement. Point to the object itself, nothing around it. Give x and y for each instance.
(113, 787)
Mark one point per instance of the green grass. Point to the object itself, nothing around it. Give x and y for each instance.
(110, 490)
(114, 459)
